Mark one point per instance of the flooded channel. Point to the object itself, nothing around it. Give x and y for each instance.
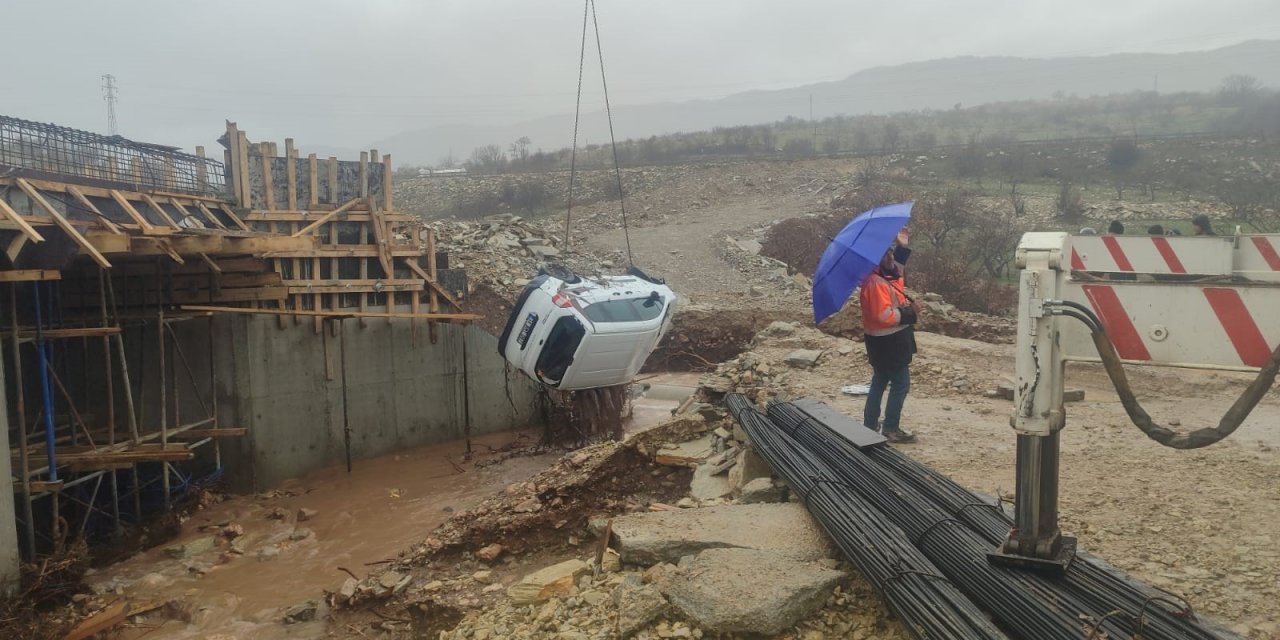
(223, 588)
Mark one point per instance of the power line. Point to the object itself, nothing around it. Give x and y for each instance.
(109, 95)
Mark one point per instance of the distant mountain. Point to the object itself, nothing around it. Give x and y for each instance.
(934, 84)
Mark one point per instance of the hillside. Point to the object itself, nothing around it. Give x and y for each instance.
(934, 84)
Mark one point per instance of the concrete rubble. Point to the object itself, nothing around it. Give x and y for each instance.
(747, 590)
(668, 536)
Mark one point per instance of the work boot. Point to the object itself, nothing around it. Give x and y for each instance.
(899, 436)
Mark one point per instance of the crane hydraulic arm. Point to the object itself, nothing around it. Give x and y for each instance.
(1204, 302)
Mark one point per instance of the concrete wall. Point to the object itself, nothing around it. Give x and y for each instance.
(8, 517)
(285, 386)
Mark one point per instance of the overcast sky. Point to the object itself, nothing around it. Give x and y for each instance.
(345, 73)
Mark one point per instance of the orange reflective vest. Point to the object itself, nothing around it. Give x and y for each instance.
(880, 299)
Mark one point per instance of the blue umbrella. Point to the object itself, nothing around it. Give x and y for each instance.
(854, 252)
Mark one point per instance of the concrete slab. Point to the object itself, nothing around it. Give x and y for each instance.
(747, 590)
(666, 536)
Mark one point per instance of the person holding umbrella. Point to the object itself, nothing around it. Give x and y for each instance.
(888, 321)
(869, 253)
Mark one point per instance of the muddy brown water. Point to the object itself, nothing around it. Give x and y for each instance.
(385, 505)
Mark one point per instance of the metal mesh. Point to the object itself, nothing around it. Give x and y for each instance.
(44, 149)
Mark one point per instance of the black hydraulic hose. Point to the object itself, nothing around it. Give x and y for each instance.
(929, 605)
(1202, 437)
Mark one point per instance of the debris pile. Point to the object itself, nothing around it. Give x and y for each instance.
(505, 251)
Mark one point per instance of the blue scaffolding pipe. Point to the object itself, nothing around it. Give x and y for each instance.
(45, 390)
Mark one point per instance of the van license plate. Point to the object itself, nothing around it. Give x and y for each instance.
(529, 323)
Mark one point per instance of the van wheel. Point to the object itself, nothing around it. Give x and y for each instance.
(560, 272)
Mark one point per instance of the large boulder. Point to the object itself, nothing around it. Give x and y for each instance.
(666, 536)
(747, 590)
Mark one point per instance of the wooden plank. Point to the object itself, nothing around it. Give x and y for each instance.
(61, 334)
(107, 242)
(380, 237)
(334, 191)
(345, 251)
(222, 432)
(23, 225)
(268, 182)
(210, 215)
(435, 286)
(234, 218)
(464, 317)
(155, 206)
(354, 214)
(30, 275)
(415, 285)
(291, 172)
(63, 224)
(363, 192)
(88, 459)
(386, 182)
(269, 244)
(314, 175)
(87, 204)
(325, 218)
(105, 619)
(233, 157)
(242, 150)
(15, 247)
(213, 266)
(133, 213)
(202, 176)
(190, 245)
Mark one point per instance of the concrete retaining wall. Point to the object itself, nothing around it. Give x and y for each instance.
(286, 387)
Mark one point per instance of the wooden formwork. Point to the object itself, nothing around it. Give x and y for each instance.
(369, 258)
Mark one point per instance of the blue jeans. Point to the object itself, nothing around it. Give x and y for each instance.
(898, 380)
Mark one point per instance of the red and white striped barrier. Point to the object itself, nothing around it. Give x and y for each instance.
(1231, 322)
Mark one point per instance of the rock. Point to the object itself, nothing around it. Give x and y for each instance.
(305, 612)
(1073, 395)
(347, 590)
(749, 245)
(611, 561)
(667, 536)
(543, 252)
(638, 605)
(489, 553)
(750, 466)
(558, 579)
(232, 531)
(155, 581)
(706, 486)
(760, 490)
(483, 577)
(300, 533)
(803, 358)
(278, 514)
(747, 590)
(594, 598)
(268, 553)
(192, 547)
(305, 514)
(532, 505)
(389, 579)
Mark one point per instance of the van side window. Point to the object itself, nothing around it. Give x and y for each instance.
(630, 310)
(557, 352)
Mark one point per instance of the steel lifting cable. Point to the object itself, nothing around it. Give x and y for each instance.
(590, 5)
(577, 111)
(1203, 437)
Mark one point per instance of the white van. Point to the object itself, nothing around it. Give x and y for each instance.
(572, 333)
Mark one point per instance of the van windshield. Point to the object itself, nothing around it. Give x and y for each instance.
(630, 310)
